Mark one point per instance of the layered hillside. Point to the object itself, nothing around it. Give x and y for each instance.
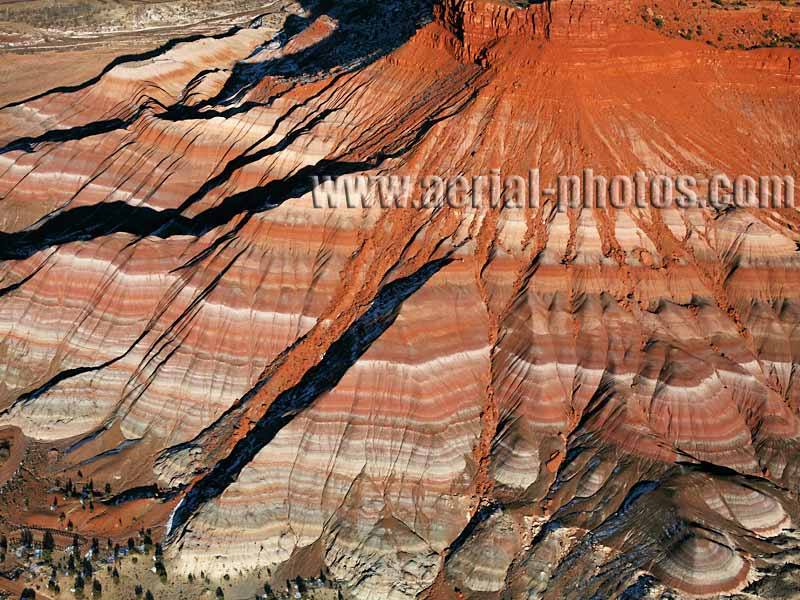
(444, 402)
(47, 44)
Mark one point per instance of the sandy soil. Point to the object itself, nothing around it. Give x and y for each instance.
(42, 48)
(29, 74)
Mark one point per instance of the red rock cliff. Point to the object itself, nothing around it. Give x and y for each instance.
(524, 400)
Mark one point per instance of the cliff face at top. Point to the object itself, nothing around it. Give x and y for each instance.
(456, 402)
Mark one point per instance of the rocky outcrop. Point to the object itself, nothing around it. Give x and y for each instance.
(473, 28)
(495, 400)
(476, 25)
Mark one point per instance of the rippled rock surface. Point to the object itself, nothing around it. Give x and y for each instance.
(450, 402)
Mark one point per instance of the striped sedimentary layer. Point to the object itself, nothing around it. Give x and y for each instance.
(529, 400)
(343, 472)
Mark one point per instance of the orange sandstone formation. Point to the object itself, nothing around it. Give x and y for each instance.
(482, 401)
